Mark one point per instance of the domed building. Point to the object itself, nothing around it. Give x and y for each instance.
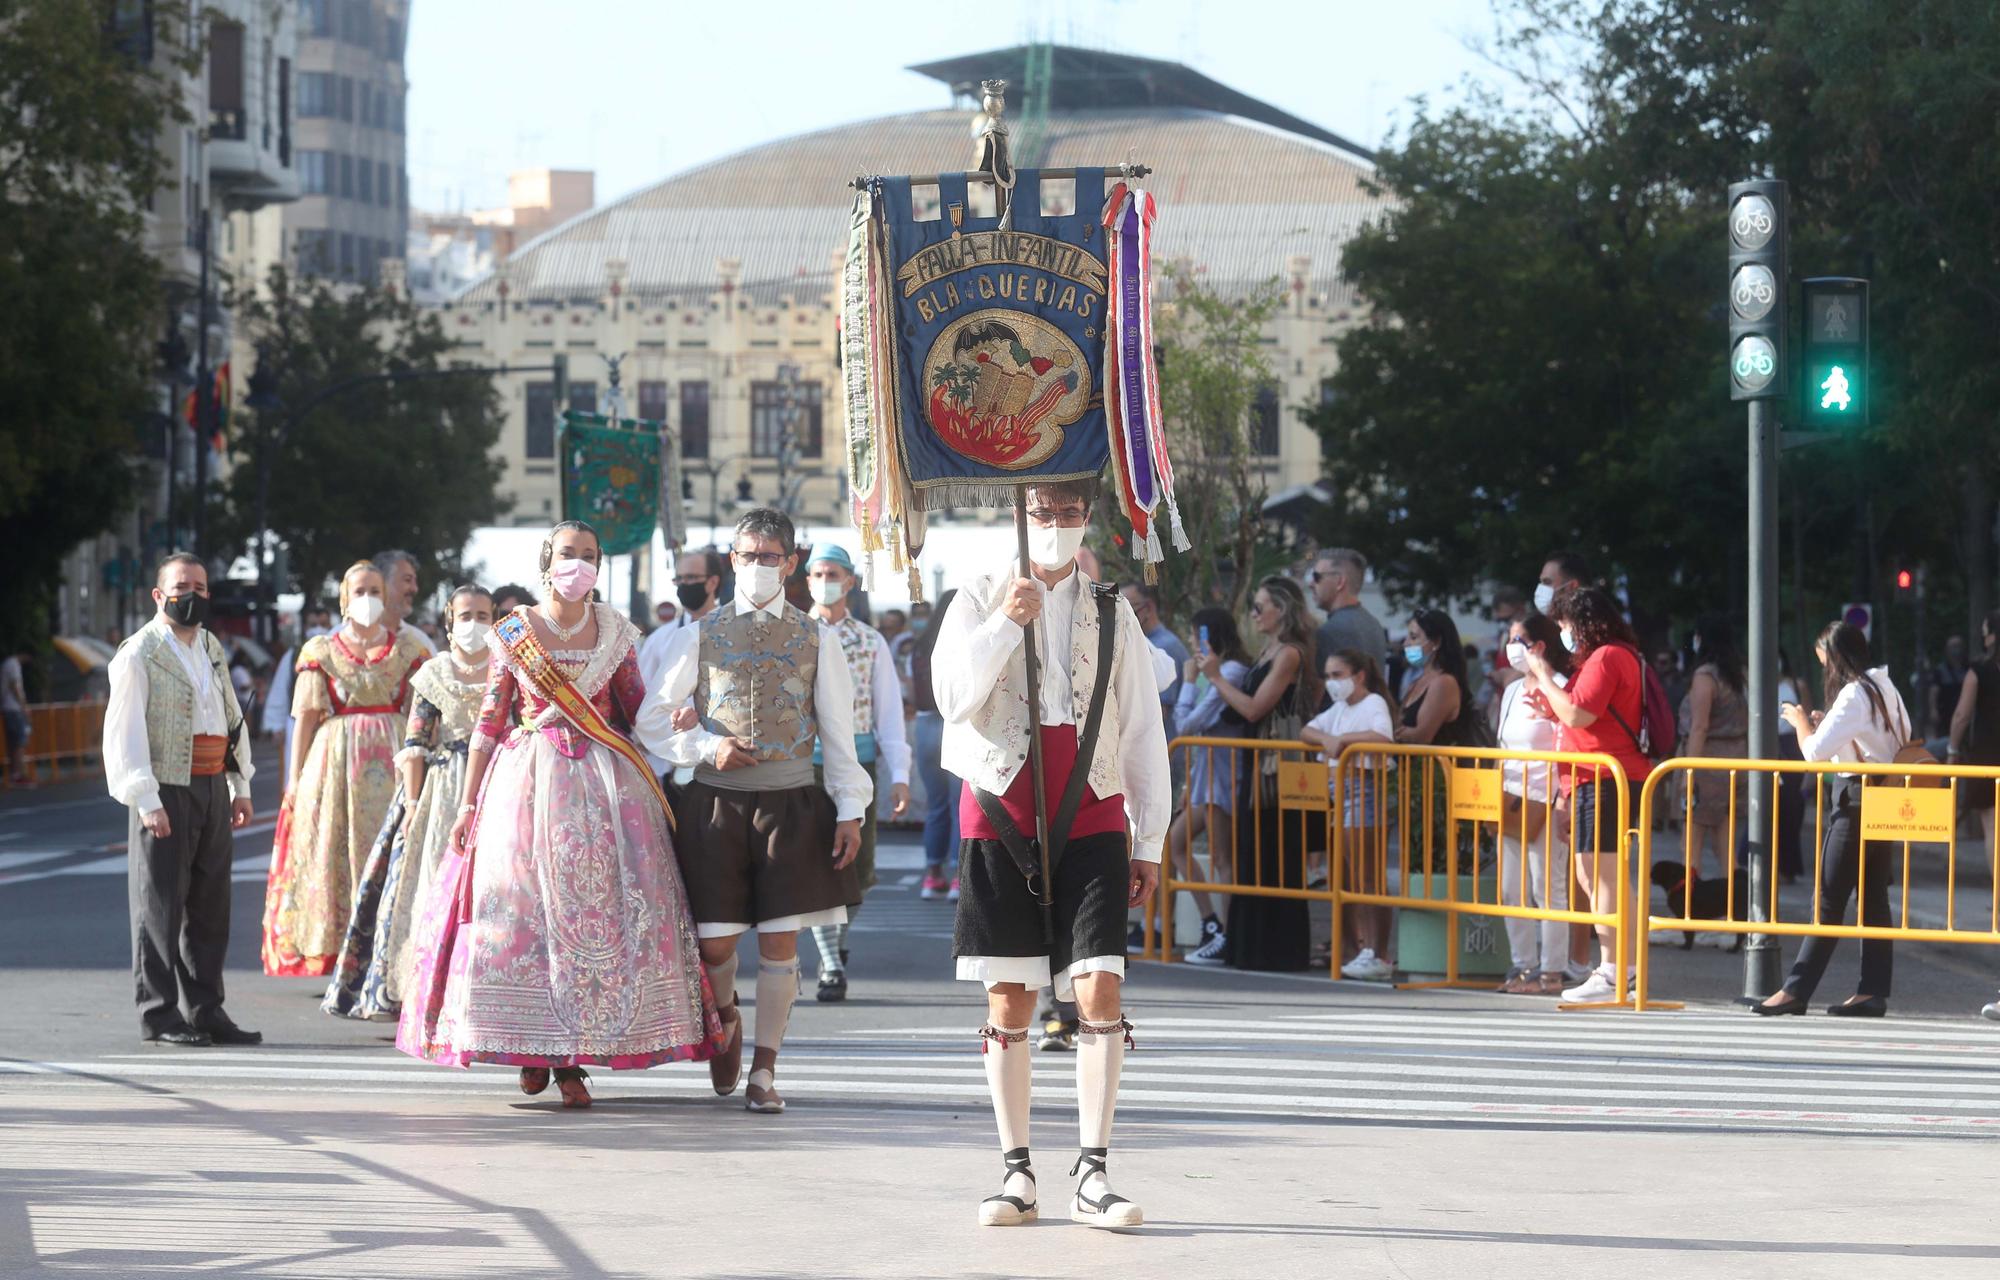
(718, 288)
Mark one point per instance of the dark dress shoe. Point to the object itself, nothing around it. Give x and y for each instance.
(1865, 1007)
(182, 1036)
(832, 989)
(1793, 1005)
(223, 1031)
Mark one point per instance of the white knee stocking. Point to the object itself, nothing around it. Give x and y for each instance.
(722, 980)
(1100, 1056)
(777, 987)
(1010, 1079)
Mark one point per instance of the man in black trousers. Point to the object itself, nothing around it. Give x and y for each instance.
(176, 754)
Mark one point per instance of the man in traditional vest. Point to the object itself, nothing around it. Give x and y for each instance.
(1104, 765)
(762, 844)
(878, 736)
(176, 754)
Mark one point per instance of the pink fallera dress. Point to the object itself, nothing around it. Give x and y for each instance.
(565, 938)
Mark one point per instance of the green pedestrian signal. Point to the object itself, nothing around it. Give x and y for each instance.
(1836, 351)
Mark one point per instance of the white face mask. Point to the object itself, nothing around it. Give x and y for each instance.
(1340, 690)
(1517, 655)
(758, 582)
(1545, 595)
(828, 590)
(1569, 640)
(470, 635)
(366, 611)
(1053, 548)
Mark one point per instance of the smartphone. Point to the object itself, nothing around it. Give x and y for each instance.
(1201, 637)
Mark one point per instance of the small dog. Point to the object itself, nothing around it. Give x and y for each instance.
(1710, 899)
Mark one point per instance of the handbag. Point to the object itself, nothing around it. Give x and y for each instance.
(1914, 752)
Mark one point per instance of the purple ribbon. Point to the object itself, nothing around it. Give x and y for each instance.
(1131, 361)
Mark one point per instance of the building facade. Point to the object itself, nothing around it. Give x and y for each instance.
(231, 170)
(716, 291)
(354, 188)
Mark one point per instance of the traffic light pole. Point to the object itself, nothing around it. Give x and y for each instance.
(1761, 956)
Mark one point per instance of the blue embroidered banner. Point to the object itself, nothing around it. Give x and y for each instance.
(999, 347)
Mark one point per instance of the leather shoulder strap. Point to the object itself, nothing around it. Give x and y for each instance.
(1106, 595)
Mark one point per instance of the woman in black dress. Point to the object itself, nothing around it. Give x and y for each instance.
(1281, 691)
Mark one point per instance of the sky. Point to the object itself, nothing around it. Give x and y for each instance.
(638, 90)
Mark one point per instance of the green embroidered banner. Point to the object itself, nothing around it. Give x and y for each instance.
(611, 477)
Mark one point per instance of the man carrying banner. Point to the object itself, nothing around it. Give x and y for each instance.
(1103, 752)
(878, 736)
(761, 844)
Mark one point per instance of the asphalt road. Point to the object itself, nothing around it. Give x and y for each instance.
(1272, 1125)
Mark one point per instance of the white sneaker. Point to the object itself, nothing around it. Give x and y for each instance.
(1210, 952)
(1598, 986)
(1368, 967)
(1991, 1012)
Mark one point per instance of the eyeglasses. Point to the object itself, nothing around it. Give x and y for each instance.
(1065, 517)
(768, 559)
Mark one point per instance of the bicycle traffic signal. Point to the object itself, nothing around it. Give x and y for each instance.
(1835, 367)
(1758, 280)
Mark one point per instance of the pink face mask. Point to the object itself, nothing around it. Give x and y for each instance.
(573, 579)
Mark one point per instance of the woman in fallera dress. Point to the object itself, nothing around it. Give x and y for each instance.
(379, 951)
(350, 698)
(557, 933)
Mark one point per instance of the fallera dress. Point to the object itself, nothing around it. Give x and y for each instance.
(343, 793)
(379, 952)
(564, 938)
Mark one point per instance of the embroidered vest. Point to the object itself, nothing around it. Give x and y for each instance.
(991, 746)
(756, 681)
(437, 683)
(861, 642)
(170, 703)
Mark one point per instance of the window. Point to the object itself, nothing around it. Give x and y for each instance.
(312, 249)
(365, 183)
(346, 256)
(392, 38)
(541, 420)
(583, 397)
(317, 94)
(1264, 422)
(128, 29)
(357, 23)
(382, 192)
(768, 418)
(653, 401)
(396, 112)
(226, 116)
(1327, 392)
(313, 172)
(694, 420)
(285, 111)
(316, 17)
(346, 98)
(346, 175)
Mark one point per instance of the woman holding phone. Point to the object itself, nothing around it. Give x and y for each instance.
(1865, 722)
(1210, 803)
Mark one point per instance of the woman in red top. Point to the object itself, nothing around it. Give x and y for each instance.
(1599, 707)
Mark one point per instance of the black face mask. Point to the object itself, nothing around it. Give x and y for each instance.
(190, 610)
(692, 595)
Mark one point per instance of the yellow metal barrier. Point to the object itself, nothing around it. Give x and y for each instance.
(1911, 807)
(1436, 813)
(60, 734)
(1457, 822)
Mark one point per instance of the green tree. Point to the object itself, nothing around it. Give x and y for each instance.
(1212, 368)
(405, 463)
(81, 302)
